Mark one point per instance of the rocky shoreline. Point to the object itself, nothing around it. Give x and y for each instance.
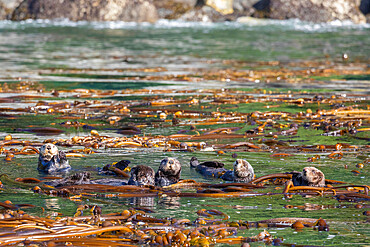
(357, 11)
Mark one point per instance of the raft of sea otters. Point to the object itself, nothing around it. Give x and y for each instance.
(135, 226)
(52, 160)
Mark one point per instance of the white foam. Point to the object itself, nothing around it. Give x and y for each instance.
(242, 23)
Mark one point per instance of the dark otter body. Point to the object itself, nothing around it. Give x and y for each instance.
(51, 160)
(141, 175)
(75, 179)
(243, 171)
(208, 168)
(84, 178)
(168, 173)
(310, 176)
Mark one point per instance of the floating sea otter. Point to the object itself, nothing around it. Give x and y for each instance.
(310, 176)
(84, 178)
(141, 175)
(243, 171)
(51, 160)
(168, 173)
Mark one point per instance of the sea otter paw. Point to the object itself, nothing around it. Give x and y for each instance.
(220, 174)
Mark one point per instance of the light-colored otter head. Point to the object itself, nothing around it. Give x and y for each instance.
(48, 151)
(313, 176)
(243, 171)
(170, 166)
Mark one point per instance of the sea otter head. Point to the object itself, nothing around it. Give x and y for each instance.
(243, 171)
(313, 176)
(170, 166)
(141, 175)
(48, 151)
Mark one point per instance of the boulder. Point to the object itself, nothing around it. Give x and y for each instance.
(87, 10)
(211, 11)
(204, 14)
(173, 9)
(10, 4)
(244, 7)
(311, 10)
(7, 7)
(225, 7)
(2, 11)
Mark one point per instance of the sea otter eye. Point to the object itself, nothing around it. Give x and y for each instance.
(313, 171)
(48, 147)
(171, 162)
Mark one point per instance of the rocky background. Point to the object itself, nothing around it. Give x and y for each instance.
(357, 11)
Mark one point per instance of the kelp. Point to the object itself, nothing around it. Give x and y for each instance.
(280, 124)
(115, 231)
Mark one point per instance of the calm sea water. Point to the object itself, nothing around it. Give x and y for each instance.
(30, 46)
(31, 49)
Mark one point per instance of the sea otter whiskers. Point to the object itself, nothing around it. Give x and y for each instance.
(243, 171)
(310, 176)
(168, 173)
(141, 175)
(51, 160)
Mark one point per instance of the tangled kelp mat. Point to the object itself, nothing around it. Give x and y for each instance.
(135, 226)
(277, 130)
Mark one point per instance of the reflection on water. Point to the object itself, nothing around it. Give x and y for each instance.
(52, 204)
(142, 201)
(169, 202)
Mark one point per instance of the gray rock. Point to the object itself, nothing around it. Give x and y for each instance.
(204, 14)
(10, 4)
(7, 7)
(88, 10)
(311, 10)
(173, 9)
(244, 6)
(3, 11)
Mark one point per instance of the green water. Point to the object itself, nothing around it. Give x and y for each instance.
(111, 56)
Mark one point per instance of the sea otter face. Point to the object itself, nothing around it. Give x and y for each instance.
(48, 151)
(313, 176)
(242, 169)
(141, 175)
(170, 166)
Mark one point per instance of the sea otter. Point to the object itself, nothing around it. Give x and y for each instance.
(310, 176)
(243, 171)
(84, 178)
(51, 160)
(168, 173)
(141, 175)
